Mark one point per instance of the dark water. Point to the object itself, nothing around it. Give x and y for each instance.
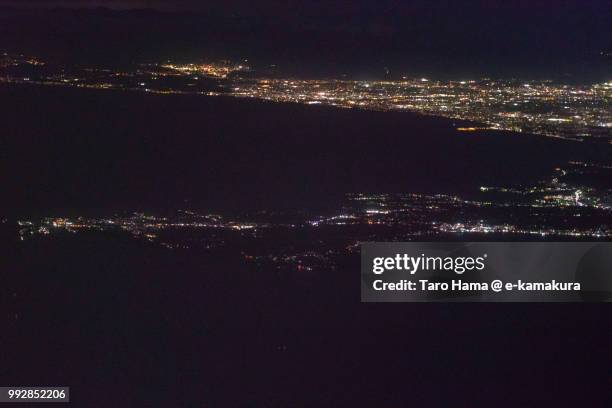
(67, 150)
(125, 323)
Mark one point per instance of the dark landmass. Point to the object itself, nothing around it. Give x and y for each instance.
(125, 323)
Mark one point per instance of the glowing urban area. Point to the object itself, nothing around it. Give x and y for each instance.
(575, 112)
(552, 208)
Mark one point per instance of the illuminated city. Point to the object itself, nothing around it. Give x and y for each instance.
(554, 208)
(575, 112)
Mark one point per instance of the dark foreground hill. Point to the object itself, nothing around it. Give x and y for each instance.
(125, 323)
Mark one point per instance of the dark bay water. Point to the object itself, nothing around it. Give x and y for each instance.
(69, 150)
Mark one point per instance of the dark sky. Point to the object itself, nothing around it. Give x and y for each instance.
(230, 5)
(473, 37)
(330, 6)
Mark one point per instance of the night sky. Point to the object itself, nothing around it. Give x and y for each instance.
(312, 4)
(443, 38)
